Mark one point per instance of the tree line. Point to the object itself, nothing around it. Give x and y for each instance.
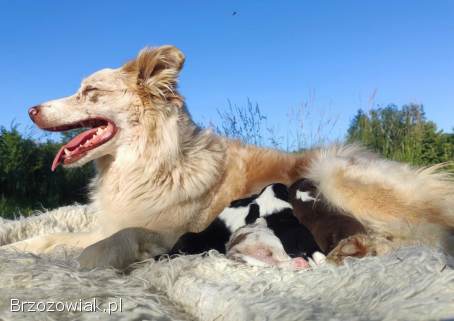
(402, 134)
(27, 183)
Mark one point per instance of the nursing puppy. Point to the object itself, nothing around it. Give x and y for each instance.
(279, 234)
(256, 244)
(338, 234)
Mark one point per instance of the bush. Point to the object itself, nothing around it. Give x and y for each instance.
(26, 180)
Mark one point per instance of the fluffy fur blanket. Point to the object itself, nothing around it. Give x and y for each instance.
(413, 283)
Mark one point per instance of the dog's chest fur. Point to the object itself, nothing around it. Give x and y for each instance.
(155, 201)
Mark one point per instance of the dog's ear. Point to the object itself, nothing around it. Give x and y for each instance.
(156, 71)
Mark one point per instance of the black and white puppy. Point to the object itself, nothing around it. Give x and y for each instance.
(256, 244)
(252, 223)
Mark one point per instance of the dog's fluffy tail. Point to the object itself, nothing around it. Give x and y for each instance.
(388, 197)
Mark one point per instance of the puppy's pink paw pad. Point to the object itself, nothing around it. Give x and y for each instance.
(300, 263)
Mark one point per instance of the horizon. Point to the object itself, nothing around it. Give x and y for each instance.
(337, 57)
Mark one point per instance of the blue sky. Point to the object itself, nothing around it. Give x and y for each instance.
(337, 54)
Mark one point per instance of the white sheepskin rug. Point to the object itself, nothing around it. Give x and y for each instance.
(413, 283)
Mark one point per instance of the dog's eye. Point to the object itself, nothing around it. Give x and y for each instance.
(86, 90)
(91, 93)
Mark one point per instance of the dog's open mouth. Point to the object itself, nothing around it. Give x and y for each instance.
(101, 131)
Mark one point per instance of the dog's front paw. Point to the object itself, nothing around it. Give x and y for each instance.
(36, 245)
(122, 249)
(107, 253)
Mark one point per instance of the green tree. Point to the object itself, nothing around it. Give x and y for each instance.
(402, 134)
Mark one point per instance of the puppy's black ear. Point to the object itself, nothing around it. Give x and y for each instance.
(254, 213)
(243, 202)
(156, 71)
(281, 191)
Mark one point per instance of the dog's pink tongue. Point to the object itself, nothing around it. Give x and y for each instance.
(71, 145)
(58, 159)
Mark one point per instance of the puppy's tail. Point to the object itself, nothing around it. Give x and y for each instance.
(388, 197)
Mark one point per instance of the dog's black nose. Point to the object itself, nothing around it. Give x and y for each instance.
(33, 112)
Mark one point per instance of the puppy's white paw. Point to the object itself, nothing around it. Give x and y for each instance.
(317, 259)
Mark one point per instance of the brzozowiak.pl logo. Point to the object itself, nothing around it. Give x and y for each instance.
(81, 305)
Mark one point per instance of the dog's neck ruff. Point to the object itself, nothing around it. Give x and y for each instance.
(141, 178)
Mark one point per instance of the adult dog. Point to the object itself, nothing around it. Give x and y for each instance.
(159, 172)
